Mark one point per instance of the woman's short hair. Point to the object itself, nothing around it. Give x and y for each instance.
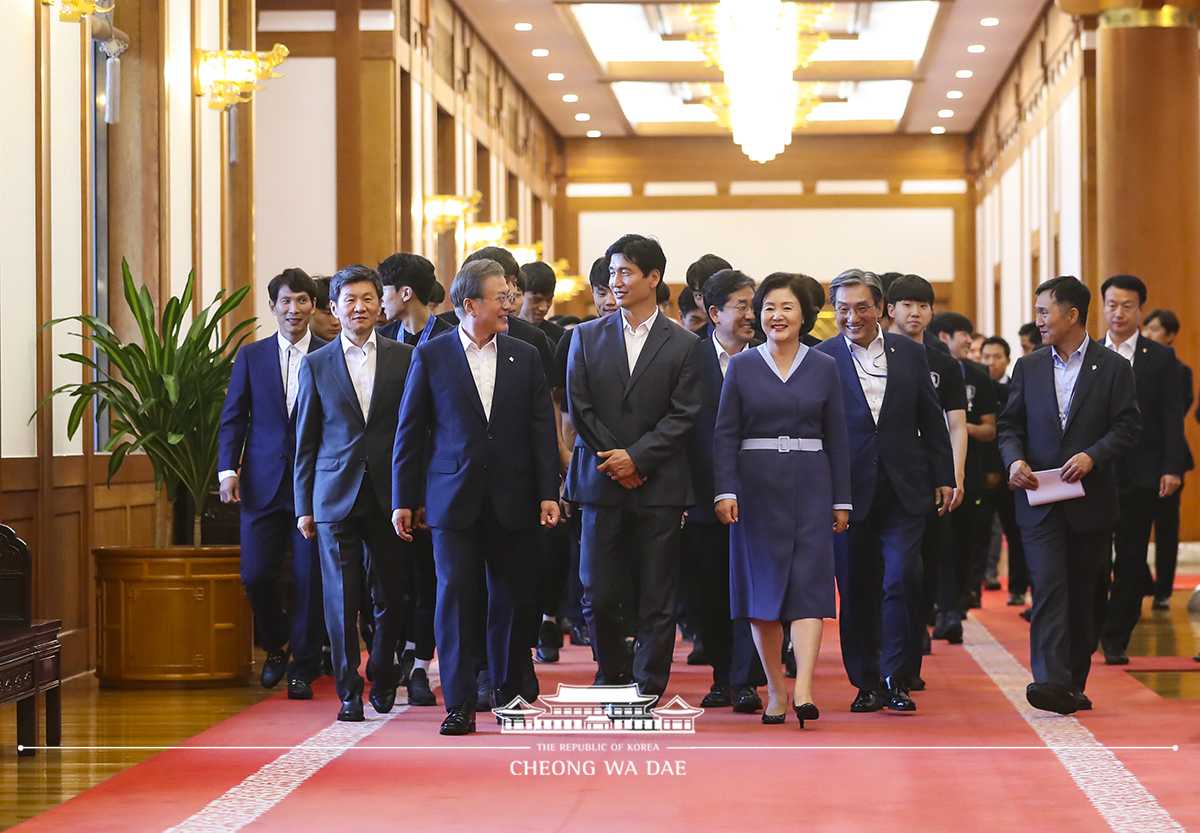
(468, 283)
(801, 286)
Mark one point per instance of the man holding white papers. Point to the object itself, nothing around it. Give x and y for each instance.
(1072, 407)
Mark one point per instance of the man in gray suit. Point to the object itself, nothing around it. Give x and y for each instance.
(634, 390)
(347, 411)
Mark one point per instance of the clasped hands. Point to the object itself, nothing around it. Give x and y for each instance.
(619, 466)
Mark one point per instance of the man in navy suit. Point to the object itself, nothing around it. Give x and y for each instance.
(477, 447)
(257, 449)
(633, 391)
(1071, 408)
(902, 466)
(347, 413)
(1153, 469)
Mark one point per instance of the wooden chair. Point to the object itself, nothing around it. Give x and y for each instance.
(29, 650)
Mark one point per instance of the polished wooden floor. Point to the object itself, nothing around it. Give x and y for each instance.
(96, 719)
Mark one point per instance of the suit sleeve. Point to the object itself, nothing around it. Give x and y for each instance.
(670, 434)
(235, 416)
(727, 436)
(412, 433)
(1174, 443)
(543, 436)
(837, 442)
(1124, 419)
(931, 422)
(309, 419)
(581, 403)
(1011, 423)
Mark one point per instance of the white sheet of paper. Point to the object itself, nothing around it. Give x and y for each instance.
(1052, 488)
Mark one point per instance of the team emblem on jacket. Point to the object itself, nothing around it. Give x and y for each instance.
(936, 377)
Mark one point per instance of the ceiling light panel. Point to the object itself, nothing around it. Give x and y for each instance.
(896, 31)
(644, 102)
(620, 32)
(866, 101)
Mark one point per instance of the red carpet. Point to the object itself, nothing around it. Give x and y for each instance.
(846, 772)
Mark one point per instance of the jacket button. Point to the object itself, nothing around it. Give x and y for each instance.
(489, 436)
(874, 462)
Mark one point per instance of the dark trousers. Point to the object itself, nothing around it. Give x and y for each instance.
(1166, 544)
(878, 561)
(363, 542)
(981, 538)
(1067, 569)
(745, 667)
(418, 619)
(1131, 579)
(1004, 499)
(572, 603)
(956, 570)
(644, 541)
(555, 567)
(264, 539)
(461, 556)
(704, 572)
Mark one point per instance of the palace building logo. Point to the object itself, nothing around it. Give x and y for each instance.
(612, 709)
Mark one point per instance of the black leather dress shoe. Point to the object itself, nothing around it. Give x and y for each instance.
(549, 641)
(1016, 599)
(746, 700)
(1115, 656)
(697, 656)
(1083, 703)
(1027, 614)
(926, 642)
(419, 692)
(484, 698)
(991, 584)
(580, 636)
(789, 665)
(383, 697)
(351, 711)
(1051, 697)
(914, 683)
(299, 690)
(404, 667)
(274, 668)
(459, 721)
(866, 701)
(719, 696)
(896, 695)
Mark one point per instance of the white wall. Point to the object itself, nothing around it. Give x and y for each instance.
(210, 266)
(178, 76)
(816, 241)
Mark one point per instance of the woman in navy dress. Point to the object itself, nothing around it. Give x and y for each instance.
(782, 476)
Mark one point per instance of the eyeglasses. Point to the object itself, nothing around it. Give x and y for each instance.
(503, 298)
(741, 308)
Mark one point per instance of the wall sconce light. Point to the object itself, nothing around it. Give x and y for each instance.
(489, 234)
(230, 77)
(566, 286)
(527, 254)
(445, 211)
(69, 11)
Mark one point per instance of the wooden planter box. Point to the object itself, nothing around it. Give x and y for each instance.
(175, 617)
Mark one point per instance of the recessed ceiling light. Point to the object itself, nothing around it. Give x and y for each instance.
(964, 73)
(938, 130)
(555, 76)
(954, 94)
(540, 53)
(945, 114)
(976, 48)
(523, 27)
(593, 134)
(583, 117)
(990, 21)
(570, 98)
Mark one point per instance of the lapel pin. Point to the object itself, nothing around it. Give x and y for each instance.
(893, 349)
(510, 358)
(1093, 367)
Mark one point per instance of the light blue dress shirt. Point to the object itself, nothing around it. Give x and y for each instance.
(1066, 374)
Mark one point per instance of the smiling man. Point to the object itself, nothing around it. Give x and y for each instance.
(633, 389)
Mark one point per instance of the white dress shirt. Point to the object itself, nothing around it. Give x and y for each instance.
(1126, 348)
(1066, 374)
(635, 339)
(871, 365)
(360, 361)
(482, 361)
(723, 355)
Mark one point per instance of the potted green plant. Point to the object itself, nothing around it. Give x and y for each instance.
(168, 615)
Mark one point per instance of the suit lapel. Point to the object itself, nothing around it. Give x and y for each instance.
(383, 358)
(465, 379)
(655, 339)
(614, 339)
(1087, 374)
(849, 374)
(271, 368)
(1141, 357)
(341, 372)
(889, 349)
(506, 368)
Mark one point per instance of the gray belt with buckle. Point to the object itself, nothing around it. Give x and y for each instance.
(782, 444)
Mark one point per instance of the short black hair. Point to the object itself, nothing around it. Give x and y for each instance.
(321, 299)
(411, 270)
(687, 300)
(885, 280)
(1168, 320)
(1000, 341)
(908, 288)
(643, 252)
(598, 276)
(800, 286)
(703, 269)
(502, 256)
(1031, 332)
(662, 293)
(721, 286)
(1129, 282)
(537, 277)
(568, 320)
(355, 273)
(437, 294)
(297, 280)
(950, 323)
(1069, 293)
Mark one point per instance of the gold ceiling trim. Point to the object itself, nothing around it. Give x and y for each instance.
(1167, 17)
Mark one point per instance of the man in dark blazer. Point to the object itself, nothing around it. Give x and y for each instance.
(347, 414)
(408, 281)
(257, 450)
(1072, 407)
(902, 466)
(477, 448)
(633, 389)
(1151, 471)
(728, 298)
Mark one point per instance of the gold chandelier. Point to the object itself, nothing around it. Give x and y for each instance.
(229, 77)
(71, 11)
(758, 45)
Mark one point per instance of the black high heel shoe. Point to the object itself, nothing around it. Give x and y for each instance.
(806, 711)
(773, 719)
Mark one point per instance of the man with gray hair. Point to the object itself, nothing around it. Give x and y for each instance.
(901, 467)
(476, 456)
